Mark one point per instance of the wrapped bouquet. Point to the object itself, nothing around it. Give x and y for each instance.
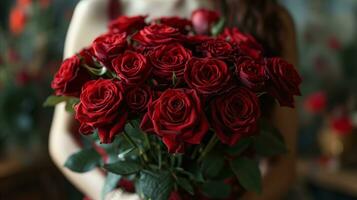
(175, 106)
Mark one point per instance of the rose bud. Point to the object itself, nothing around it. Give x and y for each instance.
(109, 46)
(70, 78)
(284, 81)
(132, 68)
(235, 115)
(248, 46)
(124, 24)
(102, 107)
(168, 60)
(207, 75)
(178, 118)
(203, 20)
(251, 73)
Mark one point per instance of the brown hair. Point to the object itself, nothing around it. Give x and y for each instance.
(259, 18)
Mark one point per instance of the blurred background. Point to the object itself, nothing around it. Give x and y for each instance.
(32, 34)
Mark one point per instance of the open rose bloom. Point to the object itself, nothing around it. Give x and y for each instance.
(176, 107)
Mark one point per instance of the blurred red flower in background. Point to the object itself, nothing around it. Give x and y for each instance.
(316, 102)
(17, 20)
(342, 125)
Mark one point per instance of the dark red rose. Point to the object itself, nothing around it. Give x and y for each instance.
(109, 46)
(251, 73)
(284, 81)
(178, 118)
(157, 34)
(127, 185)
(70, 78)
(102, 107)
(181, 24)
(248, 46)
(168, 60)
(207, 75)
(216, 48)
(316, 102)
(127, 24)
(138, 98)
(203, 20)
(132, 68)
(235, 115)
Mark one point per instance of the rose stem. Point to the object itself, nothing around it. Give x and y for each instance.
(131, 141)
(209, 147)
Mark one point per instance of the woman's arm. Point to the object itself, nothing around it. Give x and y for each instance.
(89, 21)
(281, 173)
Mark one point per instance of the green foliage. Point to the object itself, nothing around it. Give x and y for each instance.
(218, 28)
(123, 167)
(153, 185)
(84, 160)
(54, 100)
(212, 164)
(216, 189)
(186, 185)
(248, 174)
(269, 142)
(240, 147)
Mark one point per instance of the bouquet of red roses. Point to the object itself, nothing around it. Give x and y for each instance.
(176, 104)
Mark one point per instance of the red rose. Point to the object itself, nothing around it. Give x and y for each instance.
(207, 75)
(157, 34)
(251, 73)
(138, 98)
(217, 48)
(109, 46)
(70, 78)
(127, 24)
(284, 81)
(102, 107)
(203, 20)
(168, 60)
(235, 115)
(177, 116)
(248, 46)
(132, 68)
(183, 25)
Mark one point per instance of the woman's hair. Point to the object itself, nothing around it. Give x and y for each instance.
(259, 18)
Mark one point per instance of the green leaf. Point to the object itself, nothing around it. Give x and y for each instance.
(83, 161)
(100, 71)
(123, 167)
(269, 144)
(54, 100)
(155, 186)
(70, 103)
(248, 174)
(186, 185)
(216, 190)
(240, 147)
(218, 28)
(110, 184)
(212, 164)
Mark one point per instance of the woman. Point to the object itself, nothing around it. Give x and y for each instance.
(266, 20)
